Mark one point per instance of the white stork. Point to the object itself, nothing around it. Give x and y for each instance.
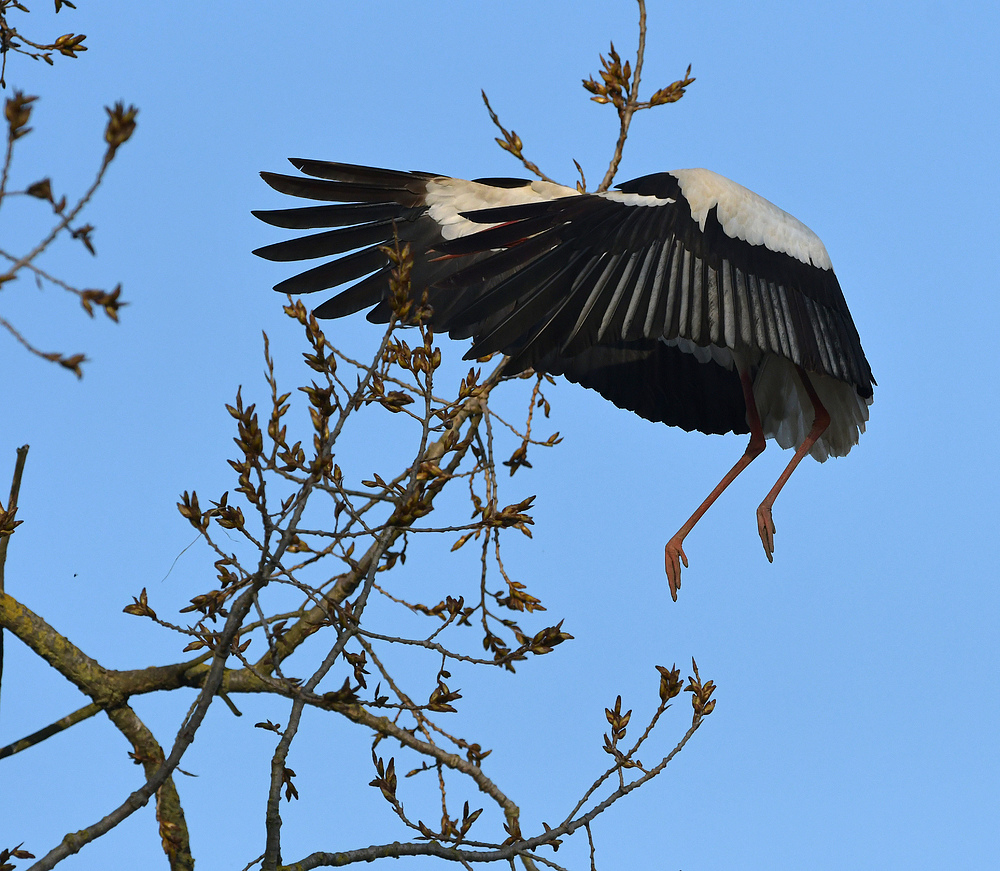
(681, 296)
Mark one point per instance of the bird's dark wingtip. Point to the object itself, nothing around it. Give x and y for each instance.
(274, 180)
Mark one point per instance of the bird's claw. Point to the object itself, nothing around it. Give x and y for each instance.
(673, 556)
(765, 527)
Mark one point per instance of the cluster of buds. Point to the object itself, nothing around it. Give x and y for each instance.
(17, 110)
(618, 85)
(121, 125)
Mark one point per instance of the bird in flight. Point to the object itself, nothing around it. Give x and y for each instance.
(681, 296)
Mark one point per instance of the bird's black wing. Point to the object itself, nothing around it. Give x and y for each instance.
(621, 271)
(370, 207)
(614, 291)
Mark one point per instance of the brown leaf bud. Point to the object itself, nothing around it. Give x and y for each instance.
(121, 125)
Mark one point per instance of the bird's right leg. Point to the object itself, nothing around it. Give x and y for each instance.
(674, 551)
(821, 421)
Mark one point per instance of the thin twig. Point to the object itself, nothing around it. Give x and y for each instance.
(8, 157)
(512, 142)
(631, 104)
(72, 362)
(15, 489)
(273, 821)
(78, 716)
(64, 221)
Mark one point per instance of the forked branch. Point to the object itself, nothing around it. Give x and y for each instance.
(620, 88)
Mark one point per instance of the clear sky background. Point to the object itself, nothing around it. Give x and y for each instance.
(858, 701)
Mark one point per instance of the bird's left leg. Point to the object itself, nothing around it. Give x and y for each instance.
(673, 553)
(821, 420)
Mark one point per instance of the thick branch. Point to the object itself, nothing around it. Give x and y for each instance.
(101, 685)
(169, 813)
(59, 652)
(75, 841)
(10, 511)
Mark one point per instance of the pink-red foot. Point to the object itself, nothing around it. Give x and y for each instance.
(765, 527)
(673, 556)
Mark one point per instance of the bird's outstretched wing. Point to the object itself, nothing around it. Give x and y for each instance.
(628, 292)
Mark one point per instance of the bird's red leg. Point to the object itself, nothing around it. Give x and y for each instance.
(821, 420)
(674, 551)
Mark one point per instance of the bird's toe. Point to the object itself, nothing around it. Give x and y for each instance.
(765, 528)
(673, 556)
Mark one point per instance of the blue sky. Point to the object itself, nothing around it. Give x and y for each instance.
(858, 700)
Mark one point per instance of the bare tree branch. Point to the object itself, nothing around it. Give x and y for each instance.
(294, 523)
